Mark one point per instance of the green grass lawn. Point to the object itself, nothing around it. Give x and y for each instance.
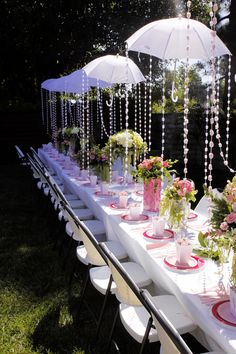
(36, 312)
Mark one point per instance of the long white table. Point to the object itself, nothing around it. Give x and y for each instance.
(196, 290)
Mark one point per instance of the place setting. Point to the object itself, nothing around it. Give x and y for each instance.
(183, 260)
(134, 213)
(122, 203)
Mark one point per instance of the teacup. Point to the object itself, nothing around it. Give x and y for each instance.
(134, 211)
(84, 174)
(104, 188)
(158, 226)
(183, 250)
(115, 176)
(93, 180)
(123, 199)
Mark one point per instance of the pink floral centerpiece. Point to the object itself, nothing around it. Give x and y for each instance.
(151, 171)
(176, 199)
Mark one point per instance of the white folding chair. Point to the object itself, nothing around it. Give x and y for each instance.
(134, 315)
(171, 340)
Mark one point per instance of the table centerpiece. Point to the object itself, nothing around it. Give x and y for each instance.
(151, 171)
(130, 139)
(99, 162)
(175, 202)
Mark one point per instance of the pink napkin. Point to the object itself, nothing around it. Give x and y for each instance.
(161, 244)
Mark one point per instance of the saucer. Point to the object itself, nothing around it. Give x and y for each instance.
(168, 234)
(117, 207)
(108, 194)
(142, 217)
(192, 216)
(194, 263)
(221, 311)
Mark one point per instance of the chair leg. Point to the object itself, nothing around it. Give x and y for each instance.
(83, 290)
(103, 307)
(112, 330)
(145, 337)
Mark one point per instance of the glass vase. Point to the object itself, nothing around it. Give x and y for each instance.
(152, 195)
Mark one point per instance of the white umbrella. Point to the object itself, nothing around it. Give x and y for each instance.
(167, 39)
(114, 69)
(73, 83)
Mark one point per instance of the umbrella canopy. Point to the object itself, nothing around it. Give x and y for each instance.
(114, 69)
(73, 83)
(167, 39)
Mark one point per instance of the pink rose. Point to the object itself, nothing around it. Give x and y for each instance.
(185, 186)
(224, 226)
(165, 164)
(231, 218)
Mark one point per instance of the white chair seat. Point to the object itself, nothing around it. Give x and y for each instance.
(100, 276)
(70, 196)
(76, 204)
(84, 214)
(39, 184)
(96, 227)
(135, 318)
(117, 249)
(82, 255)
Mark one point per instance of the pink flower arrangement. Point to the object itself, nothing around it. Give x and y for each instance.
(182, 188)
(154, 167)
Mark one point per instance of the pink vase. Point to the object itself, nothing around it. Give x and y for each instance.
(152, 194)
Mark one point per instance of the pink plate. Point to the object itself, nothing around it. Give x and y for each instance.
(139, 193)
(168, 234)
(108, 194)
(221, 311)
(192, 216)
(142, 217)
(117, 207)
(195, 263)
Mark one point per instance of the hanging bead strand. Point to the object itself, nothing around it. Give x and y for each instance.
(150, 106)
(145, 116)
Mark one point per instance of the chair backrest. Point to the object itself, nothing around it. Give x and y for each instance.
(171, 340)
(35, 168)
(126, 289)
(95, 253)
(19, 152)
(38, 159)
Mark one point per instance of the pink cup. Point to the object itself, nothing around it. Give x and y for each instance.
(158, 226)
(134, 211)
(183, 251)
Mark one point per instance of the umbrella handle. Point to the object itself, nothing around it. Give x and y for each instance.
(174, 96)
(109, 104)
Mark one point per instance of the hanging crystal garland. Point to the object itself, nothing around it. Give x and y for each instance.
(163, 112)
(225, 156)
(213, 21)
(126, 118)
(145, 116)
(87, 134)
(114, 114)
(163, 123)
(139, 87)
(62, 111)
(120, 108)
(186, 96)
(83, 125)
(103, 128)
(91, 116)
(53, 117)
(134, 89)
(110, 105)
(150, 106)
(206, 136)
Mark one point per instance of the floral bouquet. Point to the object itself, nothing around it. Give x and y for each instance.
(99, 161)
(151, 172)
(71, 134)
(176, 199)
(129, 138)
(154, 167)
(217, 242)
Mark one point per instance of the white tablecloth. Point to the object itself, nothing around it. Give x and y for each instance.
(191, 289)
